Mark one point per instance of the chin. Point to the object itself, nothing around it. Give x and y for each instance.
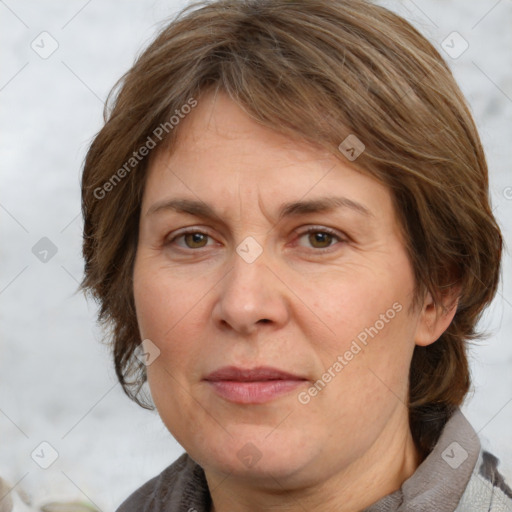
(255, 454)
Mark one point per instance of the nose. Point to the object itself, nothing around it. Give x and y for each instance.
(251, 296)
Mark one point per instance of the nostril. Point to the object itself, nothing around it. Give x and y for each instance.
(264, 321)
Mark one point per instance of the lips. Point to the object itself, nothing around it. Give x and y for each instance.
(252, 386)
(261, 373)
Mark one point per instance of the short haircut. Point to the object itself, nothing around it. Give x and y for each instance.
(318, 71)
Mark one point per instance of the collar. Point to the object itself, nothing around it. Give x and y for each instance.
(440, 480)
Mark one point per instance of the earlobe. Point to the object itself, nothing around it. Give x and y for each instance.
(435, 318)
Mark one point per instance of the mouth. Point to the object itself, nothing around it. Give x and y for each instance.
(252, 386)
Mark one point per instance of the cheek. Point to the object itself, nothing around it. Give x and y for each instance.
(365, 319)
(150, 304)
(163, 299)
(165, 316)
(357, 305)
(165, 312)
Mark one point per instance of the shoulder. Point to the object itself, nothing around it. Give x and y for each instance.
(486, 489)
(181, 486)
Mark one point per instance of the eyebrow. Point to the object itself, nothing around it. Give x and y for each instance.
(291, 209)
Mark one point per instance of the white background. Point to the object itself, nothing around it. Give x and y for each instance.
(56, 378)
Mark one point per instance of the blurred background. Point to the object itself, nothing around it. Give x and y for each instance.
(60, 405)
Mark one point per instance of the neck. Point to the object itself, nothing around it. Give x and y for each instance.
(381, 470)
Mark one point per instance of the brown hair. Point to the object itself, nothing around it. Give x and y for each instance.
(318, 70)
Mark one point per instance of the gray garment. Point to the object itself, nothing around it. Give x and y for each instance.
(457, 476)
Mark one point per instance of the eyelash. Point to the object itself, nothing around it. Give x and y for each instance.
(312, 229)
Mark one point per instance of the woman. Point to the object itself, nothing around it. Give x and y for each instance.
(287, 227)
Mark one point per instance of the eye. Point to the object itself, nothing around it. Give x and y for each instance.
(190, 240)
(319, 238)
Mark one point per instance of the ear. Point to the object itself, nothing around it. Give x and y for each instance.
(434, 318)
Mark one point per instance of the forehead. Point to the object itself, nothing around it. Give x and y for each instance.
(219, 126)
(222, 155)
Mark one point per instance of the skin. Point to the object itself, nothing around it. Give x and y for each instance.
(297, 307)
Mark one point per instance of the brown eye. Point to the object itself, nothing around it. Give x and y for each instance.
(195, 240)
(320, 239)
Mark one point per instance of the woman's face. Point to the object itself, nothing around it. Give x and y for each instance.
(274, 282)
